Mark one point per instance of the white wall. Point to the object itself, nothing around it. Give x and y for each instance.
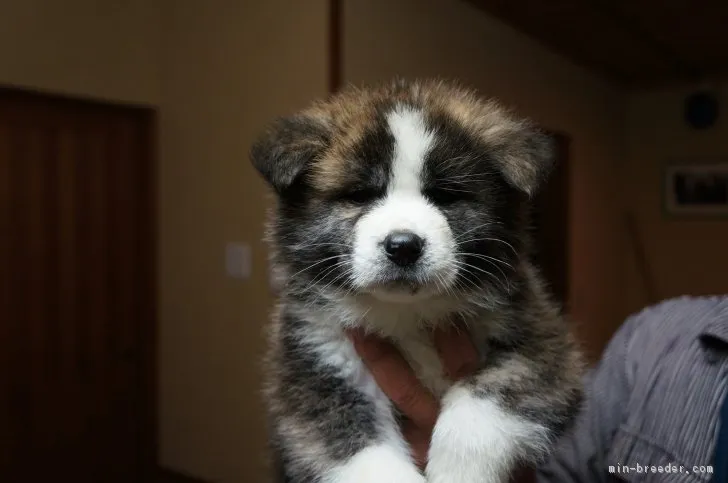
(445, 38)
(686, 256)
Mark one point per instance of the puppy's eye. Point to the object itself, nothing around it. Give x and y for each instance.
(360, 196)
(446, 195)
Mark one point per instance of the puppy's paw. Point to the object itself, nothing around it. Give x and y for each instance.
(377, 464)
(476, 441)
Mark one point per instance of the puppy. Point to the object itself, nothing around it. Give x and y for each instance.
(400, 208)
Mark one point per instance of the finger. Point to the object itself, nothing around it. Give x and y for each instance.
(457, 352)
(372, 349)
(396, 379)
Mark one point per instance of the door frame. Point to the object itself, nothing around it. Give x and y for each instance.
(560, 195)
(149, 435)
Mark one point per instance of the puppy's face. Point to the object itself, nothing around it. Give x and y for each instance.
(402, 192)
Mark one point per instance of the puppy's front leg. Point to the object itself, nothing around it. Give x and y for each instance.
(477, 440)
(380, 463)
(337, 449)
(330, 421)
(510, 412)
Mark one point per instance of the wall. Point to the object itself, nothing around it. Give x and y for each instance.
(108, 50)
(229, 68)
(686, 256)
(219, 70)
(445, 38)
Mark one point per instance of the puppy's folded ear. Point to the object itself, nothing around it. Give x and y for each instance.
(287, 148)
(525, 156)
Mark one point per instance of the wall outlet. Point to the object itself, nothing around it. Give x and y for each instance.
(238, 260)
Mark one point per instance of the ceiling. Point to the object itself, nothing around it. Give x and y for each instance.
(639, 43)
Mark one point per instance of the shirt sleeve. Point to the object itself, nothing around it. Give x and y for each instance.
(580, 455)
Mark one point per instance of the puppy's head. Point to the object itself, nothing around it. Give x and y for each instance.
(402, 192)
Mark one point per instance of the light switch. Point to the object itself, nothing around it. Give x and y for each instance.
(238, 260)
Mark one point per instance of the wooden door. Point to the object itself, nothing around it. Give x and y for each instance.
(76, 291)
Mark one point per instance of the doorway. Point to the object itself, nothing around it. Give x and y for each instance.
(550, 222)
(77, 290)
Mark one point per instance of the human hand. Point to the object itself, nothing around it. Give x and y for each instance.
(398, 381)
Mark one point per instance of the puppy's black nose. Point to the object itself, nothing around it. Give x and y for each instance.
(403, 247)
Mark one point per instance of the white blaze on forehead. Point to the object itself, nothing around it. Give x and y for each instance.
(405, 207)
(412, 142)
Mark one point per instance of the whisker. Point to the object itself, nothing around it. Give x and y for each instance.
(505, 277)
(328, 244)
(475, 285)
(345, 273)
(440, 284)
(470, 177)
(464, 264)
(463, 287)
(452, 160)
(315, 264)
(455, 190)
(498, 240)
(471, 230)
(326, 272)
(485, 257)
(325, 287)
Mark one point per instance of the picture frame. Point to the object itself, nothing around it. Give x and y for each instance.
(696, 189)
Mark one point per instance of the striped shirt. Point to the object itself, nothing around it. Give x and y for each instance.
(653, 401)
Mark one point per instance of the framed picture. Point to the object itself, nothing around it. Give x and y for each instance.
(696, 189)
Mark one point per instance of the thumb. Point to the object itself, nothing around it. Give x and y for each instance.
(396, 378)
(457, 352)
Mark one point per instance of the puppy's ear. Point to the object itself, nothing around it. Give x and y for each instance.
(289, 145)
(525, 156)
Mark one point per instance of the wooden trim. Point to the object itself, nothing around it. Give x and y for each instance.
(150, 436)
(336, 27)
(553, 208)
(566, 167)
(21, 92)
(166, 475)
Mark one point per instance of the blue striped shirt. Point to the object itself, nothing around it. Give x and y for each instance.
(653, 401)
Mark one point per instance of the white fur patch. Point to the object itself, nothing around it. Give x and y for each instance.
(405, 209)
(476, 441)
(389, 461)
(334, 349)
(412, 142)
(376, 464)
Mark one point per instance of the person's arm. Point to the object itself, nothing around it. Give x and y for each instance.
(580, 455)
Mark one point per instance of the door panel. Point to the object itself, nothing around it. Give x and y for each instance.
(76, 290)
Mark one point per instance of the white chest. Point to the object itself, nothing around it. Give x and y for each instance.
(405, 328)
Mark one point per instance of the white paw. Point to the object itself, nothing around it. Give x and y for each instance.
(475, 441)
(377, 464)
